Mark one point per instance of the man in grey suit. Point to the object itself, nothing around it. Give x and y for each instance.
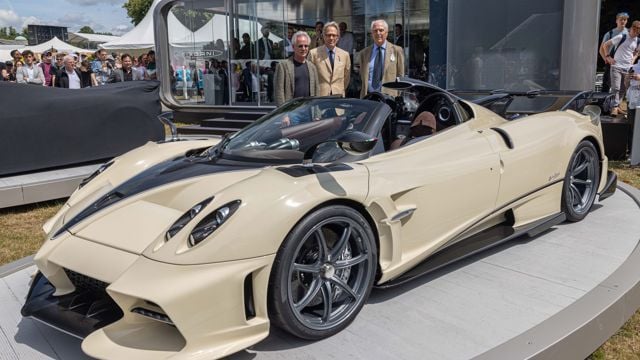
(29, 73)
(380, 62)
(126, 73)
(296, 77)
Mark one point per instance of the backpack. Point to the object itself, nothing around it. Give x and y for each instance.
(613, 50)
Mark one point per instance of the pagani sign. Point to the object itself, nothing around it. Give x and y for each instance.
(202, 54)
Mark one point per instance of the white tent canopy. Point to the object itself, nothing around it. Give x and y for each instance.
(57, 44)
(141, 37)
(216, 28)
(92, 38)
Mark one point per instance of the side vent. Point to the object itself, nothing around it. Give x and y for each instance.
(154, 315)
(249, 307)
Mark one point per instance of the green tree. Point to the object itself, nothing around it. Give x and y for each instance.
(137, 9)
(86, 30)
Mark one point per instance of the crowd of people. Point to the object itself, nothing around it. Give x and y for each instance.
(323, 59)
(620, 49)
(75, 71)
(264, 70)
(326, 68)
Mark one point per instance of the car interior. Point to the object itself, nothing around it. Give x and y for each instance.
(405, 124)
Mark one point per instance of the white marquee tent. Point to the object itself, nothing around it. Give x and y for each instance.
(55, 43)
(141, 37)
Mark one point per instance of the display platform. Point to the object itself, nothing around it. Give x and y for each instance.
(42, 186)
(556, 296)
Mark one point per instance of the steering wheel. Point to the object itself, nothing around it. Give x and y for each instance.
(442, 107)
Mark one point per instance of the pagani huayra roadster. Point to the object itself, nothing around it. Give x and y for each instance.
(191, 249)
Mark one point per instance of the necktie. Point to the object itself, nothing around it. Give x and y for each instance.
(377, 70)
(331, 58)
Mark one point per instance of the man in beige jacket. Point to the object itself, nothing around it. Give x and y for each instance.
(374, 70)
(332, 63)
(296, 77)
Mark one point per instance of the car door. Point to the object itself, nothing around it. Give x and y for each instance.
(533, 166)
(443, 184)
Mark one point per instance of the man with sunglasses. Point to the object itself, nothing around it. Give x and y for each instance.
(296, 77)
(626, 50)
(30, 73)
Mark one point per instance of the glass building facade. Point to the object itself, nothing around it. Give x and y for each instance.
(217, 55)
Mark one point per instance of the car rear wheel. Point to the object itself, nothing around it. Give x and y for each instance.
(323, 273)
(581, 182)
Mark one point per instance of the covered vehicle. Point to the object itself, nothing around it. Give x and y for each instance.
(190, 249)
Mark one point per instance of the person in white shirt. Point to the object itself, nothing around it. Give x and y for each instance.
(346, 39)
(286, 45)
(69, 76)
(633, 101)
(621, 23)
(621, 61)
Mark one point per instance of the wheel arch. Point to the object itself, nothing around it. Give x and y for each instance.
(604, 165)
(592, 139)
(360, 208)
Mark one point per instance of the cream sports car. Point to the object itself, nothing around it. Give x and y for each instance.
(191, 249)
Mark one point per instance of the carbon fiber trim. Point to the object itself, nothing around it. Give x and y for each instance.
(80, 313)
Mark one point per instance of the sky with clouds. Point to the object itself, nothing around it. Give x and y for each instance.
(100, 15)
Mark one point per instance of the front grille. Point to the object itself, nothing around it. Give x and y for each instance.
(85, 283)
(79, 313)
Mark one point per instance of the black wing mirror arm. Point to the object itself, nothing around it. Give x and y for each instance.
(352, 142)
(165, 118)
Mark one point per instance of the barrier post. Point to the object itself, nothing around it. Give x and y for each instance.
(635, 149)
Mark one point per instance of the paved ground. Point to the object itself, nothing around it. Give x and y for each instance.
(460, 312)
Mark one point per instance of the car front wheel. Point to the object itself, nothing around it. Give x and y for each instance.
(323, 273)
(581, 182)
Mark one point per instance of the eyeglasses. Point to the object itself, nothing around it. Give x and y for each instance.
(637, 27)
(302, 46)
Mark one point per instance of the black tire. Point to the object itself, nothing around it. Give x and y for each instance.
(315, 291)
(581, 182)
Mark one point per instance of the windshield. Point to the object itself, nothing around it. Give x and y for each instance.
(284, 135)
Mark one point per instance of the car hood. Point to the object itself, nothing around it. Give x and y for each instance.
(133, 214)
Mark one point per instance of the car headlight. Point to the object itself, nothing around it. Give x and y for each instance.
(212, 221)
(100, 170)
(184, 219)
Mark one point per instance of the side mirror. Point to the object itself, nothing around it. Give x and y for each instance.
(356, 142)
(353, 142)
(593, 111)
(166, 119)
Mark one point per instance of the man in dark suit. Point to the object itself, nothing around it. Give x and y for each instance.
(265, 45)
(69, 76)
(399, 39)
(246, 51)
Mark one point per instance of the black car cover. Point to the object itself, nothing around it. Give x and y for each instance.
(44, 128)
